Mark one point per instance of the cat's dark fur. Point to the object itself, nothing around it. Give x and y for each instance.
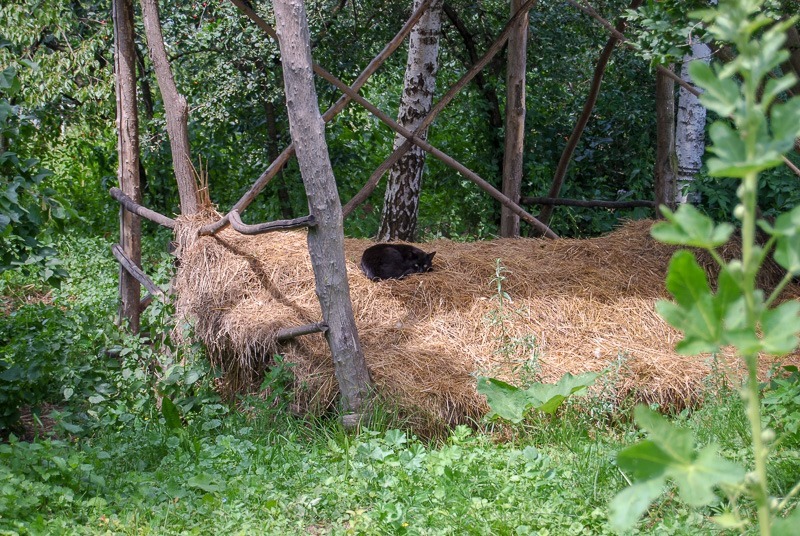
(395, 261)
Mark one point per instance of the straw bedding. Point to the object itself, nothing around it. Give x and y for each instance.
(575, 306)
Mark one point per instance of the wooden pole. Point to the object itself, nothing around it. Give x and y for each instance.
(515, 122)
(176, 108)
(326, 240)
(128, 153)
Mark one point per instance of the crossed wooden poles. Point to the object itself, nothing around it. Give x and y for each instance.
(350, 92)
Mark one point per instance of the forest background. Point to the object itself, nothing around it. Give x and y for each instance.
(58, 161)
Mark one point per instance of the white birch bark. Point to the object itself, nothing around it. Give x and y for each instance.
(401, 201)
(690, 133)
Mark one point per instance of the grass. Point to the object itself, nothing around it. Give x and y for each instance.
(117, 467)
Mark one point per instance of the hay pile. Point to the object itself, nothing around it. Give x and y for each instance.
(577, 305)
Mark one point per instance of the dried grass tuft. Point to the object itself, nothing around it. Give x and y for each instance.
(584, 304)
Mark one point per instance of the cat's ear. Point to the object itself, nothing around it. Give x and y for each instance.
(430, 256)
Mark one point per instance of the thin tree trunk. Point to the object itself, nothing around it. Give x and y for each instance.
(326, 240)
(177, 110)
(487, 90)
(147, 92)
(515, 122)
(793, 64)
(690, 134)
(665, 173)
(401, 201)
(284, 202)
(577, 132)
(128, 153)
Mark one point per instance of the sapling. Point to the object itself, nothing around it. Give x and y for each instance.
(754, 133)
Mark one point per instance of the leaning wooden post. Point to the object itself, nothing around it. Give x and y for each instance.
(130, 225)
(326, 240)
(176, 108)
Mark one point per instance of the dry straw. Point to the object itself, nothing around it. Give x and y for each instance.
(576, 305)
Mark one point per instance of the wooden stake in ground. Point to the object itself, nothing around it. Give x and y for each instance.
(515, 122)
(326, 240)
(130, 225)
(666, 187)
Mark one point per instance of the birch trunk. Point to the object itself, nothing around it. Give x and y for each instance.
(665, 173)
(130, 225)
(176, 108)
(515, 122)
(690, 134)
(326, 240)
(401, 201)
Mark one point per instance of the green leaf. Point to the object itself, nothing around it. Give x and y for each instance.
(720, 95)
(675, 442)
(504, 399)
(629, 504)
(644, 460)
(689, 227)
(780, 327)
(206, 482)
(548, 397)
(787, 526)
(686, 280)
(696, 480)
(511, 403)
(171, 414)
(786, 121)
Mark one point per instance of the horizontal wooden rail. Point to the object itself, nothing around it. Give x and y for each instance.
(132, 206)
(137, 273)
(268, 227)
(592, 203)
(290, 333)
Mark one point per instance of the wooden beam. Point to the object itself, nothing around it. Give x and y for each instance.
(593, 203)
(290, 333)
(134, 207)
(137, 272)
(277, 225)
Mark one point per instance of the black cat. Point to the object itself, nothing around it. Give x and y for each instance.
(395, 261)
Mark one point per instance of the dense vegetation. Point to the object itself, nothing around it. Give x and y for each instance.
(105, 432)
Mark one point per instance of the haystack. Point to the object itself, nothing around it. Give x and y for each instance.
(569, 306)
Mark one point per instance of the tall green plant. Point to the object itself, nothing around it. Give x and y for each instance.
(761, 130)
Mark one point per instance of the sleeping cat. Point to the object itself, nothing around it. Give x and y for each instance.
(395, 261)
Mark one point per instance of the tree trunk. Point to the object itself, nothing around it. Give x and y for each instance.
(130, 225)
(690, 134)
(177, 110)
(515, 122)
(792, 65)
(577, 131)
(284, 202)
(326, 240)
(401, 202)
(664, 177)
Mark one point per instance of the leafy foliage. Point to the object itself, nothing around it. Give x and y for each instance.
(511, 402)
(737, 313)
(26, 204)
